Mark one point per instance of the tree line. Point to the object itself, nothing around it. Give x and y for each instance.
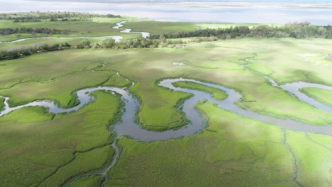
(7, 31)
(107, 43)
(17, 53)
(52, 16)
(22, 20)
(125, 44)
(293, 30)
(84, 44)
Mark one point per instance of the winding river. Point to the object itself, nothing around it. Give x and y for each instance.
(197, 123)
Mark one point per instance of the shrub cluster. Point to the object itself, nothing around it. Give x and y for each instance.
(293, 30)
(329, 57)
(6, 31)
(18, 20)
(125, 44)
(17, 53)
(85, 44)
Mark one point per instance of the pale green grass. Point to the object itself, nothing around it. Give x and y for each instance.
(115, 20)
(61, 89)
(321, 95)
(240, 105)
(318, 59)
(34, 146)
(289, 55)
(216, 93)
(117, 81)
(313, 158)
(160, 27)
(158, 109)
(33, 68)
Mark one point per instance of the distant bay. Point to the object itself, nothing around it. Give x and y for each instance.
(239, 12)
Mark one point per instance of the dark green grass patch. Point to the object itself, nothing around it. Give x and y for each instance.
(2, 104)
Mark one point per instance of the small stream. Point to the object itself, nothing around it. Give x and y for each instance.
(119, 25)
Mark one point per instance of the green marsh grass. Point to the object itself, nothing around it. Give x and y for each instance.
(61, 89)
(216, 93)
(36, 148)
(319, 94)
(88, 181)
(83, 162)
(159, 27)
(117, 81)
(232, 151)
(147, 66)
(313, 157)
(240, 105)
(89, 28)
(221, 156)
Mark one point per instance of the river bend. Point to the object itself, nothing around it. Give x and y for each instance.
(129, 128)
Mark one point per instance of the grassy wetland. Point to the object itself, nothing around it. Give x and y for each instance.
(81, 148)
